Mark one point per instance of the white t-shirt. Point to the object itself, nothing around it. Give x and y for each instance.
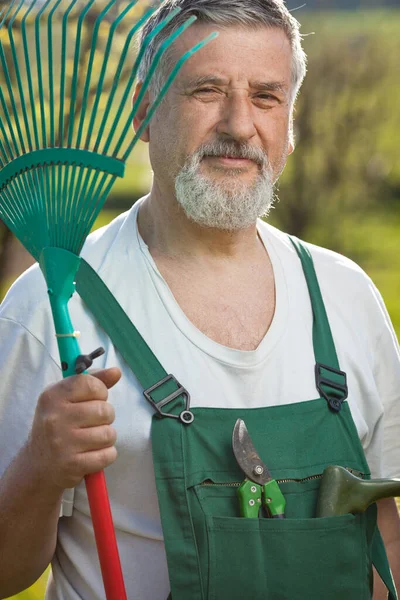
(280, 371)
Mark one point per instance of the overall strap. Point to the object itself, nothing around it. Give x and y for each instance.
(163, 391)
(327, 364)
(331, 382)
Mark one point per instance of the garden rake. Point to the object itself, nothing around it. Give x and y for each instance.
(64, 141)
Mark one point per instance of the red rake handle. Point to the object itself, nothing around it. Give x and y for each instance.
(106, 541)
(59, 268)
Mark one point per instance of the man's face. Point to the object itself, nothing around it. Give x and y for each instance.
(222, 134)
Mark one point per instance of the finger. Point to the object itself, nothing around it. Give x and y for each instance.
(95, 438)
(91, 414)
(97, 460)
(108, 376)
(77, 388)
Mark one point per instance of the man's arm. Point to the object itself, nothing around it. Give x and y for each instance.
(389, 525)
(71, 436)
(29, 510)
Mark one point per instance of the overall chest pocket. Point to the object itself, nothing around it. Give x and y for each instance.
(296, 558)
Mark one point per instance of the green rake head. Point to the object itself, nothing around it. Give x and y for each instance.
(65, 125)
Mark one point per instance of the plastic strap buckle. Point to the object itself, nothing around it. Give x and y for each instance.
(186, 416)
(332, 397)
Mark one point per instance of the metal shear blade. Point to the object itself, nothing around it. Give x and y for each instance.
(259, 487)
(247, 456)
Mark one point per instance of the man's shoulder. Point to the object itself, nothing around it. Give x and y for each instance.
(328, 263)
(346, 288)
(104, 240)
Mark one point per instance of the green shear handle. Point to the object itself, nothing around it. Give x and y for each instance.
(253, 496)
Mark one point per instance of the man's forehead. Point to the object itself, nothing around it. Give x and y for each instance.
(259, 56)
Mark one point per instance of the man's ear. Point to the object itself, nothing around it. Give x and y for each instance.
(141, 113)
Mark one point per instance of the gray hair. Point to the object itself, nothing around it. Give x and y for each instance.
(223, 13)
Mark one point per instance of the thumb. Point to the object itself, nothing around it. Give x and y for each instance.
(108, 376)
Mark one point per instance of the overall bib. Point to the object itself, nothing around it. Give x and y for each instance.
(212, 552)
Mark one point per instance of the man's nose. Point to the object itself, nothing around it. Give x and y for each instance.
(237, 119)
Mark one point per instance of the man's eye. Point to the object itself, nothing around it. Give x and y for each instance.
(266, 97)
(205, 91)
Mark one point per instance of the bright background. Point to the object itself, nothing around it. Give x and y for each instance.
(341, 188)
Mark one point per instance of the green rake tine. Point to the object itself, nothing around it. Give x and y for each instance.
(5, 136)
(65, 191)
(85, 97)
(37, 223)
(74, 90)
(104, 193)
(19, 81)
(166, 87)
(18, 183)
(161, 51)
(60, 169)
(40, 72)
(52, 204)
(11, 216)
(29, 74)
(68, 213)
(6, 111)
(82, 225)
(105, 63)
(5, 161)
(14, 209)
(7, 14)
(45, 175)
(51, 71)
(61, 133)
(103, 72)
(74, 194)
(25, 180)
(62, 201)
(24, 192)
(135, 69)
(76, 70)
(89, 205)
(153, 67)
(78, 192)
(11, 93)
(93, 199)
(64, 173)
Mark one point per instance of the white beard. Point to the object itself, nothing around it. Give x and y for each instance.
(232, 204)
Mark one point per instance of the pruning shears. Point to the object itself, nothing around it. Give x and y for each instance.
(259, 490)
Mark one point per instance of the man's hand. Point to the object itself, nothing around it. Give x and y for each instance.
(71, 433)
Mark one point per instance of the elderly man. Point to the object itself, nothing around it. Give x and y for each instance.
(240, 314)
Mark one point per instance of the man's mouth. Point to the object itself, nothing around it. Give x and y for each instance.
(230, 161)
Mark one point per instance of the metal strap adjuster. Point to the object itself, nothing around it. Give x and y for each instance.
(186, 416)
(333, 398)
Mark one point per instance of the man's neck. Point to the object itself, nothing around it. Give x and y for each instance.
(167, 231)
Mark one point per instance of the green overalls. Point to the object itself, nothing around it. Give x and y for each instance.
(212, 552)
